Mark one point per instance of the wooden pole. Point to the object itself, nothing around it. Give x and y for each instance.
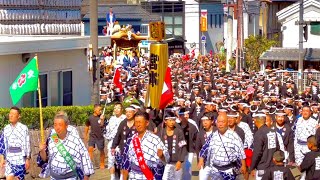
(93, 7)
(40, 106)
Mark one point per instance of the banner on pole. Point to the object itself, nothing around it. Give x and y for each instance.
(157, 71)
(204, 20)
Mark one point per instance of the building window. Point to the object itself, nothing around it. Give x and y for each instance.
(169, 30)
(315, 28)
(220, 22)
(178, 31)
(65, 82)
(156, 8)
(211, 20)
(215, 20)
(168, 20)
(178, 20)
(44, 91)
(167, 7)
(250, 18)
(178, 7)
(173, 18)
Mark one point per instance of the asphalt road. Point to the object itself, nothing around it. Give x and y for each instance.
(103, 174)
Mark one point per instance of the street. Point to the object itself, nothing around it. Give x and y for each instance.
(103, 174)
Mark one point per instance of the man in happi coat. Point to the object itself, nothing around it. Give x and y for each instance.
(174, 141)
(15, 152)
(125, 130)
(190, 133)
(311, 162)
(225, 152)
(305, 127)
(203, 136)
(110, 132)
(144, 154)
(71, 129)
(64, 156)
(265, 143)
(286, 134)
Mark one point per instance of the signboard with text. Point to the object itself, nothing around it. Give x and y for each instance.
(157, 31)
(204, 20)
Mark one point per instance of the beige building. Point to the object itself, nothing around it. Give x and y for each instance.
(63, 65)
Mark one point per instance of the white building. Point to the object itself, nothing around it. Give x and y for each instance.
(251, 13)
(288, 18)
(288, 54)
(63, 66)
(192, 23)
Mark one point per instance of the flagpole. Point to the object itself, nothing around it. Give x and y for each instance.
(40, 106)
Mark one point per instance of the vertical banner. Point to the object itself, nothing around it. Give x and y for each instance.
(204, 20)
(157, 71)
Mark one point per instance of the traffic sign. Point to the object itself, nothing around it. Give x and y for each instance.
(203, 38)
(145, 43)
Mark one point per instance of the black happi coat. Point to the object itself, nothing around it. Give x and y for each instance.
(202, 138)
(309, 165)
(286, 172)
(190, 134)
(290, 121)
(179, 144)
(123, 133)
(262, 153)
(240, 133)
(287, 136)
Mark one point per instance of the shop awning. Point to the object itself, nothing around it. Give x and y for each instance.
(290, 54)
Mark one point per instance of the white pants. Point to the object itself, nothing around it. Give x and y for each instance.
(204, 173)
(299, 152)
(303, 175)
(187, 168)
(286, 156)
(109, 31)
(111, 158)
(170, 173)
(259, 174)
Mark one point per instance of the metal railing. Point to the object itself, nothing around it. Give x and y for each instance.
(294, 76)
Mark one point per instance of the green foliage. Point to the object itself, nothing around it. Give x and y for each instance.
(254, 47)
(221, 56)
(232, 63)
(78, 115)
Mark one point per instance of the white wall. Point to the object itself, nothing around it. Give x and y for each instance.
(10, 67)
(192, 23)
(75, 60)
(290, 32)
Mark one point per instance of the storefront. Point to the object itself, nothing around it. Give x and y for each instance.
(176, 46)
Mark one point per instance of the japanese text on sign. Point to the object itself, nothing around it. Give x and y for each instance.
(153, 75)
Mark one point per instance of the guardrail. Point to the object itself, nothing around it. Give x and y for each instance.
(294, 75)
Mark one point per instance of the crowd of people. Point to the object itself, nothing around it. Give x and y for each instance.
(263, 117)
(231, 124)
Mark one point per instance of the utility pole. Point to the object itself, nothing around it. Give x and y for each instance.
(94, 43)
(239, 35)
(301, 58)
(230, 36)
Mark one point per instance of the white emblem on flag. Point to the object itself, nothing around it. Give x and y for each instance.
(165, 88)
(278, 175)
(271, 140)
(30, 74)
(14, 86)
(317, 160)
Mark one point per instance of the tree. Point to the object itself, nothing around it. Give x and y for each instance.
(254, 47)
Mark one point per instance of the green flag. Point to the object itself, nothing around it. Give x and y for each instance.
(26, 81)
